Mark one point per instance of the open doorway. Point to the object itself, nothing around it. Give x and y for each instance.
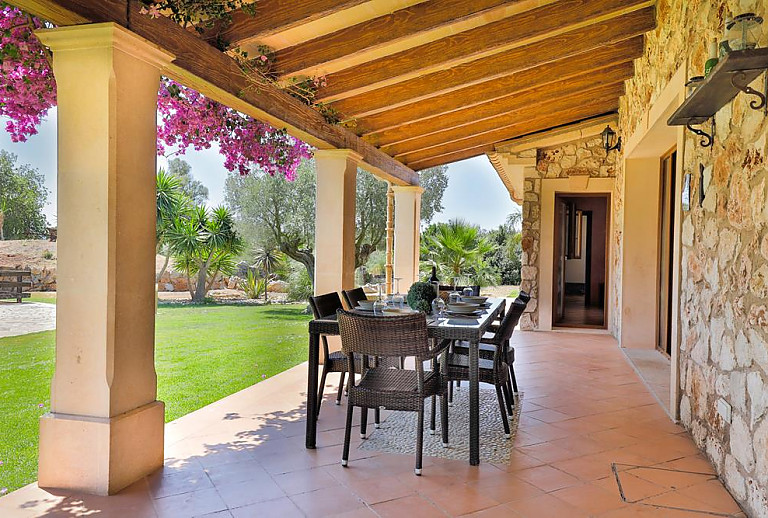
(580, 270)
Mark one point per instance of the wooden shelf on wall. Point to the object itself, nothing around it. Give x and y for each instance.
(718, 89)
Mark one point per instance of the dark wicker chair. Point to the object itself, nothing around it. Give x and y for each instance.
(368, 337)
(496, 345)
(352, 297)
(326, 306)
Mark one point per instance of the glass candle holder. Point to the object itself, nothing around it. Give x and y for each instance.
(743, 31)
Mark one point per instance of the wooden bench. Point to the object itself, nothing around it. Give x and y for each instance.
(12, 283)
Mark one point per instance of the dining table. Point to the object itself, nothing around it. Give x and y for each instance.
(470, 330)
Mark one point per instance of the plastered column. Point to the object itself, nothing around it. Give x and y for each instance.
(335, 220)
(105, 428)
(407, 227)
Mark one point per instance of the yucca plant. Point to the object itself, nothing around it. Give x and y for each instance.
(253, 286)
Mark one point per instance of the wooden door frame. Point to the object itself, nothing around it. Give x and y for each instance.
(669, 237)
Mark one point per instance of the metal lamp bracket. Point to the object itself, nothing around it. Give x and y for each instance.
(707, 139)
(738, 80)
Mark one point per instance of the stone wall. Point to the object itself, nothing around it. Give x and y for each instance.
(724, 277)
(585, 157)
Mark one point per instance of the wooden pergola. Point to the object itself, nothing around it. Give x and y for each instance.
(426, 82)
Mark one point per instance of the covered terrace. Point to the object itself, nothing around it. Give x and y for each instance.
(417, 83)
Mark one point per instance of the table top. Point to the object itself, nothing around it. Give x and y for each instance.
(447, 327)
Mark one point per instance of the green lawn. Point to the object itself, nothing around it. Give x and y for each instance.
(514, 293)
(203, 353)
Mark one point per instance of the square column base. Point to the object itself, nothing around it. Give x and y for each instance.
(97, 455)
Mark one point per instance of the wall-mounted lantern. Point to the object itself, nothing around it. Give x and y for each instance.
(610, 142)
(743, 31)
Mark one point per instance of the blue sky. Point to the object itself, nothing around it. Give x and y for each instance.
(475, 192)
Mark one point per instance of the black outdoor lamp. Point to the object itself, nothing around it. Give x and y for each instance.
(608, 140)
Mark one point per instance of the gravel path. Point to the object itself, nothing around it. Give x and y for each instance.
(27, 317)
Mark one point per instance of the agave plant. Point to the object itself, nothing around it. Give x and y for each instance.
(253, 286)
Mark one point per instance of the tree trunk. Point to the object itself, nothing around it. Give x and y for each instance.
(162, 270)
(200, 287)
(2, 220)
(266, 284)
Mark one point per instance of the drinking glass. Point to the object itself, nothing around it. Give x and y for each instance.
(397, 301)
(467, 292)
(378, 307)
(438, 307)
(454, 297)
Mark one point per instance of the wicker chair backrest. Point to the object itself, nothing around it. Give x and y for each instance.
(352, 297)
(384, 336)
(325, 305)
(510, 321)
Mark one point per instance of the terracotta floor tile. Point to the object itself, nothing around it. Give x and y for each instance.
(297, 482)
(331, 501)
(545, 506)
(508, 489)
(587, 468)
(670, 478)
(520, 460)
(408, 506)
(714, 495)
(500, 511)
(590, 498)
(676, 501)
(458, 501)
(239, 494)
(635, 488)
(547, 478)
(280, 508)
(236, 472)
(377, 490)
(190, 504)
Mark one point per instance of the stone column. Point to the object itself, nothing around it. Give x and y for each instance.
(105, 428)
(335, 219)
(407, 234)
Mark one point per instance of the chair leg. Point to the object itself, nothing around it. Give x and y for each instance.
(377, 418)
(363, 421)
(450, 393)
(444, 419)
(347, 433)
(503, 409)
(505, 388)
(514, 379)
(341, 387)
(419, 439)
(432, 415)
(320, 390)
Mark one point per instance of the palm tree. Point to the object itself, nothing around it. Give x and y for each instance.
(268, 259)
(458, 249)
(204, 244)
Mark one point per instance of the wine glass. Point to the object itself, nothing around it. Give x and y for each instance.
(438, 307)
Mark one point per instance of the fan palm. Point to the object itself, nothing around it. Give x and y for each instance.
(458, 248)
(267, 259)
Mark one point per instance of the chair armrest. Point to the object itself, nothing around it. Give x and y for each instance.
(435, 352)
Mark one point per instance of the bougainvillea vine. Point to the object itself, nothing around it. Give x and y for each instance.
(187, 118)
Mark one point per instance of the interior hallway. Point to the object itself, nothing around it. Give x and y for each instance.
(584, 408)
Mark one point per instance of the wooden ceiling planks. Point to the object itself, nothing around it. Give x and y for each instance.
(404, 23)
(518, 29)
(274, 16)
(538, 96)
(515, 83)
(523, 122)
(499, 65)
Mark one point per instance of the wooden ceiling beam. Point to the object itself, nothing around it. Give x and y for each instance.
(604, 98)
(455, 157)
(216, 75)
(602, 93)
(273, 16)
(559, 47)
(374, 33)
(574, 114)
(539, 96)
(516, 83)
(519, 29)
